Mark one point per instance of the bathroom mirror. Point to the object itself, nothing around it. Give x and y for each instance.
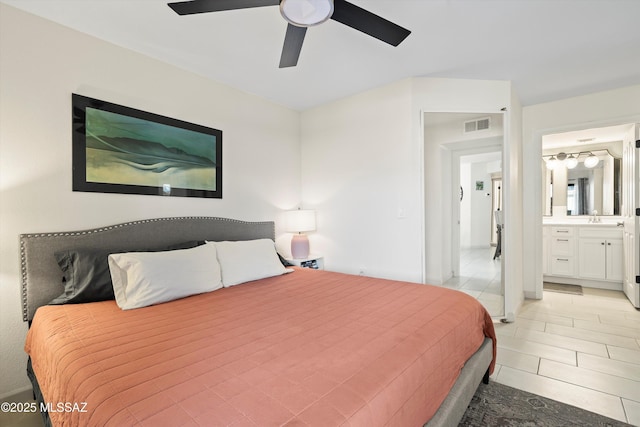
(581, 190)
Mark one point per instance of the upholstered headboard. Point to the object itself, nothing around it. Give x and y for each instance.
(42, 277)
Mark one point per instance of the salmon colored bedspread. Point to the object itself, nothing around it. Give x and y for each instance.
(308, 348)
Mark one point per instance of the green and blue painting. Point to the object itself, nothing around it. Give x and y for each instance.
(128, 150)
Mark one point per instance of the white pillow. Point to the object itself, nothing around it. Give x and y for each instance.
(146, 278)
(247, 260)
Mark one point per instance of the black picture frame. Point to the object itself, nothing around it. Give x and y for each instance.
(118, 149)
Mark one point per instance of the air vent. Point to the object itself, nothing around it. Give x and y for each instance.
(477, 125)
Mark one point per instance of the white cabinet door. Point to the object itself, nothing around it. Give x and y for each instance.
(615, 257)
(592, 259)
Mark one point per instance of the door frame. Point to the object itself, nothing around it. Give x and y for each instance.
(537, 185)
(459, 150)
(631, 222)
(495, 205)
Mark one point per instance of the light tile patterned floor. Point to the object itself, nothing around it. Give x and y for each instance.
(480, 278)
(580, 350)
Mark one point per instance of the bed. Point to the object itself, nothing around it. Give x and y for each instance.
(304, 347)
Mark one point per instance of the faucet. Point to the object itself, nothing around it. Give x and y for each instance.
(594, 217)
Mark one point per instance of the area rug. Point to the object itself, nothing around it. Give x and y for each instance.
(565, 289)
(498, 405)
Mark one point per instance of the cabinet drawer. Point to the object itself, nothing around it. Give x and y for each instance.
(562, 231)
(562, 245)
(604, 233)
(562, 266)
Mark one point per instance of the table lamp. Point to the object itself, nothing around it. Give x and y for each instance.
(300, 221)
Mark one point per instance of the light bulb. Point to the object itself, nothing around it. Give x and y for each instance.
(552, 163)
(591, 161)
(571, 162)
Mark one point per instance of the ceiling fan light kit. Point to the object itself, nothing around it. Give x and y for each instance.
(306, 13)
(301, 14)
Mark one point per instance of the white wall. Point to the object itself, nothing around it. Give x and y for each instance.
(600, 109)
(475, 208)
(362, 160)
(480, 216)
(360, 170)
(41, 64)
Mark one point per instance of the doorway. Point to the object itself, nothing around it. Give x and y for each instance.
(471, 145)
(479, 258)
(575, 193)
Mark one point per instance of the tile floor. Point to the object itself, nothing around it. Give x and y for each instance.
(480, 278)
(583, 350)
(580, 350)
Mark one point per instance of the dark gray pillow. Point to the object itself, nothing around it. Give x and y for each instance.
(86, 276)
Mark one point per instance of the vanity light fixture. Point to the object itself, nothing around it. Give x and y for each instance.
(570, 160)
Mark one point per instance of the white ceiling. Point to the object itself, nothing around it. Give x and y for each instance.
(581, 138)
(549, 49)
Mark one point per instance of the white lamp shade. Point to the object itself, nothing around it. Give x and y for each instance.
(306, 13)
(300, 221)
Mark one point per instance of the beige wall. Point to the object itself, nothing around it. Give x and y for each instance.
(41, 64)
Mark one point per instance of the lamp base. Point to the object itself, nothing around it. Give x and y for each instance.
(299, 246)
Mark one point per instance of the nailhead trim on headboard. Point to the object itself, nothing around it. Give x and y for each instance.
(24, 237)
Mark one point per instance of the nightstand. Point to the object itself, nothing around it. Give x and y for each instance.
(315, 262)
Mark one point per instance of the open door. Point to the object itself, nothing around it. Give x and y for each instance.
(630, 213)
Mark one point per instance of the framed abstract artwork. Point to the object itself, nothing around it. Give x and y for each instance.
(117, 149)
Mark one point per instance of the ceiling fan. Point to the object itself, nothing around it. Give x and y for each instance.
(301, 14)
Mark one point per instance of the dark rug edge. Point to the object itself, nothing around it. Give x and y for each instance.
(496, 404)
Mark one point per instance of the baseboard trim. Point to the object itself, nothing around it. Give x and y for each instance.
(612, 286)
(15, 394)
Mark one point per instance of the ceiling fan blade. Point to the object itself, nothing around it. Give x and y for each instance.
(202, 6)
(362, 20)
(292, 46)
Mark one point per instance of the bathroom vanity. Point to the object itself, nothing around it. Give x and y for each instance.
(583, 253)
(590, 224)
